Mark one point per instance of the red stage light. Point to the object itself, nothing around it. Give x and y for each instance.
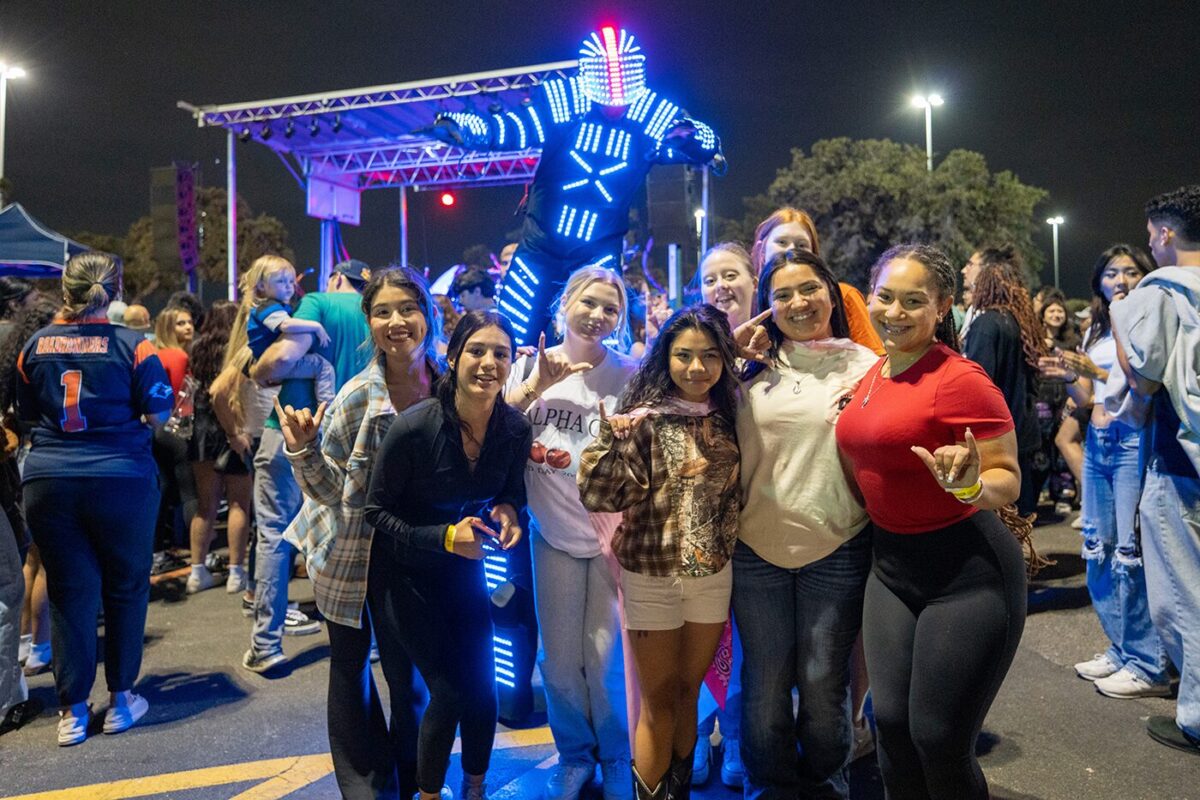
(447, 199)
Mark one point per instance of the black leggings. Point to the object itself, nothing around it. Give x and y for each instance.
(438, 610)
(943, 616)
(371, 758)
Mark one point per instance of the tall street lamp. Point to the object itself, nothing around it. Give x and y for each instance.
(1054, 222)
(927, 102)
(7, 72)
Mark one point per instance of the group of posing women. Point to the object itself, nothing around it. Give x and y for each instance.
(736, 465)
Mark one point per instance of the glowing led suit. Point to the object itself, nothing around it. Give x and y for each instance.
(600, 133)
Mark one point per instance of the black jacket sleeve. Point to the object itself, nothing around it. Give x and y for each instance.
(390, 482)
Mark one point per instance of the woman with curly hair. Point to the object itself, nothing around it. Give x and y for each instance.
(1006, 340)
(216, 467)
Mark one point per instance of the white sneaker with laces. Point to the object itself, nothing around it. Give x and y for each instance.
(1101, 666)
(568, 780)
(200, 579)
(236, 582)
(39, 659)
(1125, 684)
(125, 715)
(297, 623)
(733, 773)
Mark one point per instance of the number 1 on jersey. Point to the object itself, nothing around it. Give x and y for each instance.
(72, 420)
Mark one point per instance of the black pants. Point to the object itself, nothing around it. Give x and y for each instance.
(372, 759)
(96, 538)
(179, 502)
(439, 611)
(943, 617)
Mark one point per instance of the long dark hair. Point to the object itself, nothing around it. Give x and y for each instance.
(401, 277)
(999, 287)
(25, 323)
(652, 383)
(942, 273)
(446, 386)
(208, 349)
(838, 322)
(1101, 321)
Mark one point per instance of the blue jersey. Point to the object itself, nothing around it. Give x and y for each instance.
(85, 386)
(262, 326)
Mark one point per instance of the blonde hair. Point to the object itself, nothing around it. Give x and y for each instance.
(265, 267)
(580, 280)
(262, 267)
(90, 281)
(164, 327)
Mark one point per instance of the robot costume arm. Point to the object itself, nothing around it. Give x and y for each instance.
(689, 141)
(552, 103)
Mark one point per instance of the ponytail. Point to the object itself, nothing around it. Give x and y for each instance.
(90, 281)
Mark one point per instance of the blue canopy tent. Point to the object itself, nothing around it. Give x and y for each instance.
(29, 249)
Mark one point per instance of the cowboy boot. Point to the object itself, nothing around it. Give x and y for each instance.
(679, 777)
(643, 792)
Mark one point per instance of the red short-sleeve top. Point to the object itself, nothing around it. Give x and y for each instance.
(931, 404)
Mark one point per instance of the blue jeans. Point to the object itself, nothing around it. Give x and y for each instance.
(1112, 477)
(581, 662)
(798, 628)
(277, 500)
(1170, 515)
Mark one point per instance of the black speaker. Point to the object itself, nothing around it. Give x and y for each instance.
(672, 197)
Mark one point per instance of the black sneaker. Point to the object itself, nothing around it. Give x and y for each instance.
(297, 623)
(1164, 731)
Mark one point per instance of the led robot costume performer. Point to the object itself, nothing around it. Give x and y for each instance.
(600, 131)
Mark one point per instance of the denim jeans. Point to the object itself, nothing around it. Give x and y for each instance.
(1170, 515)
(277, 500)
(12, 593)
(798, 628)
(1112, 474)
(581, 661)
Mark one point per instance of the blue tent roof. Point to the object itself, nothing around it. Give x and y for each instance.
(29, 249)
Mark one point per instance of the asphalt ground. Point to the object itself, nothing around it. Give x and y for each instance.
(215, 730)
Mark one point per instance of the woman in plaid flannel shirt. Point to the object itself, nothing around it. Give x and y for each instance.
(368, 760)
(669, 463)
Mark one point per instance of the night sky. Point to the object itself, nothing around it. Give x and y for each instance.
(1098, 103)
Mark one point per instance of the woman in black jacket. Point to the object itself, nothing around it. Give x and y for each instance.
(447, 464)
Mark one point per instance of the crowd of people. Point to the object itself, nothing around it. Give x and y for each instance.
(789, 489)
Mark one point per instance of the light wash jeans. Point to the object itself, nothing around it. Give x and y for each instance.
(1170, 514)
(798, 628)
(277, 500)
(1112, 474)
(12, 593)
(581, 660)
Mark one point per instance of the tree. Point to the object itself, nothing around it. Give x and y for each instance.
(868, 195)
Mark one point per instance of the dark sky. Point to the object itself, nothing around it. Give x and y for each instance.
(1099, 103)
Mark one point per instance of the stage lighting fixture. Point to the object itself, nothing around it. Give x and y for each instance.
(245, 135)
(266, 132)
(337, 123)
(289, 130)
(314, 128)
(447, 199)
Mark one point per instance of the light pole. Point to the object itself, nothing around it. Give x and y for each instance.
(927, 102)
(7, 72)
(1054, 222)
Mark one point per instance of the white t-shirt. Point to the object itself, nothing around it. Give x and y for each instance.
(1103, 352)
(797, 507)
(565, 420)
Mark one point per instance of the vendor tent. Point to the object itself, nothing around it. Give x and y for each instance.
(30, 249)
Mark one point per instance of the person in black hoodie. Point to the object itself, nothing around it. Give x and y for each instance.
(1006, 340)
(446, 464)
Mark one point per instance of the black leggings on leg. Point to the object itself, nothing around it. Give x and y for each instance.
(943, 617)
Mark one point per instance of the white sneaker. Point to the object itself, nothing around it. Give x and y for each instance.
(297, 623)
(24, 648)
(236, 582)
(72, 729)
(615, 775)
(1101, 666)
(568, 780)
(124, 716)
(1062, 509)
(1125, 684)
(1077, 523)
(200, 579)
(39, 659)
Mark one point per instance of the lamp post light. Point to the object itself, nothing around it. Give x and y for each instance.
(927, 102)
(1054, 222)
(699, 216)
(7, 73)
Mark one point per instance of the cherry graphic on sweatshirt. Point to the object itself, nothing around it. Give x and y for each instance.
(559, 459)
(537, 453)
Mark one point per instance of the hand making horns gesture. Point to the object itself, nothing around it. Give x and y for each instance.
(955, 466)
(752, 339)
(553, 367)
(622, 424)
(299, 426)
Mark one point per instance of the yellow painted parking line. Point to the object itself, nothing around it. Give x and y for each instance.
(315, 765)
(279, 776)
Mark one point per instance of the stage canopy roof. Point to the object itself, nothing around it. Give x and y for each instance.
(365, 139)
(29, 249)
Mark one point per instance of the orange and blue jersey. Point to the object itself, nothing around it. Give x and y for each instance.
(85, 386)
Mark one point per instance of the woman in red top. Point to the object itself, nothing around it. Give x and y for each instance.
(931, 445)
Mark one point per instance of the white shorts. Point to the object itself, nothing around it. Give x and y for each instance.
(654, 603)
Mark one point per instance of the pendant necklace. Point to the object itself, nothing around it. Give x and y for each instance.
(871, 388)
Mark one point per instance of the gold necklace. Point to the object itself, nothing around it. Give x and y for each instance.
(871, 388)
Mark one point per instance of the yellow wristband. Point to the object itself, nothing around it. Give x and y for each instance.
(968, 494)
(448, 542)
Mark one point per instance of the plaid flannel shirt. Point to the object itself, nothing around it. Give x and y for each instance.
(675, 481)
(330, 530)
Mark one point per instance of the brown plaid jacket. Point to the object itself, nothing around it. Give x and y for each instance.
(675, 480)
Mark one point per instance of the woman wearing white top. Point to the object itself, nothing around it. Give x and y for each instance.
(575, 590)
(802, 558)
(1135, 664)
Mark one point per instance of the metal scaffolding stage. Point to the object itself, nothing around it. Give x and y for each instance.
(338, 144)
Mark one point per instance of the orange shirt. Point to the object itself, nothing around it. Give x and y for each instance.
(861, 329)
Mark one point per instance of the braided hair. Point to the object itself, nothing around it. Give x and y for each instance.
(942, 275)
(999, 287)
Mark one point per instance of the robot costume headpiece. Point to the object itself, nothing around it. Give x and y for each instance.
(612, 69)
